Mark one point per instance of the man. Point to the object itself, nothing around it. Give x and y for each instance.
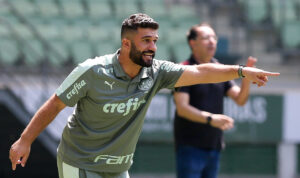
(112, 94)
(199, 120)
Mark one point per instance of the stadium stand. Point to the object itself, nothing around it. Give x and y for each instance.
(163, 51)
(59, 56)
(180, 13)
(156, 9)
(282, 11)
(47, 8)
(24, 7)
(181, 51)
(81, 50)
(34, 52)
(61, 22)
(290, 34)
(256, 10)
(9, 51)
(123, 8)
(72, 10)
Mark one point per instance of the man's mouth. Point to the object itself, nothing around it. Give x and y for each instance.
(148, 55)
(211, 47)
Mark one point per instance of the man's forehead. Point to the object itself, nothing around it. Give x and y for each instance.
(147, 32)
(205, 30)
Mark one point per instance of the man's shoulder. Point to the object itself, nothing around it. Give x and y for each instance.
(157, 63)
(167, 66)
(99, 61)
(161, 64)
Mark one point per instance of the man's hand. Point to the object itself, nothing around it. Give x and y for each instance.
(19, 153)
(258, 76)
(221, 121)
(20, 150)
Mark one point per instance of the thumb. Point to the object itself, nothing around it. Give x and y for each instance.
(251, 61)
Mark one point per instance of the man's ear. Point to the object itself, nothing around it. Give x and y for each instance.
(126, 43)
(191, 43)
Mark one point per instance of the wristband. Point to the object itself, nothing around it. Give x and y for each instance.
(208, 119)
(240, 71)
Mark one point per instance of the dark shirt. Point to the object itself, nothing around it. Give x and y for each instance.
(205, 97)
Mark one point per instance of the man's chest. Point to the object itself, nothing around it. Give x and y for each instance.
(112, 96)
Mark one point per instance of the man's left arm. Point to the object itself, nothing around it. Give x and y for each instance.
(215, 73)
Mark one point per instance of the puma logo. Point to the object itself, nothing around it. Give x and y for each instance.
(109, 84)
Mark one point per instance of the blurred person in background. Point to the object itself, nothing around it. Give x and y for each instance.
(199, 121)
(112, 94)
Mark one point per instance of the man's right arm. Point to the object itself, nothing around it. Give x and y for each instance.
(20, 150)
(189, 112)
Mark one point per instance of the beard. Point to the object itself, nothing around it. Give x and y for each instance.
(136, 56)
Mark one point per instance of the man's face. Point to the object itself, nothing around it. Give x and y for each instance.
(206, 42)
(143, 47)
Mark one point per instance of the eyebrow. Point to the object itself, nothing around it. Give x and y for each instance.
(149, 36)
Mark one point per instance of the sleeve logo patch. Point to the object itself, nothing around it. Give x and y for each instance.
(145, 84)
(75, 89)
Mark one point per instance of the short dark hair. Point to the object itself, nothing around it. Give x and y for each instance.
(135, 21)
(192, 33)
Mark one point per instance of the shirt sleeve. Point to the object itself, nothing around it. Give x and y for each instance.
(183, 89)
(170, 73)
(228, 85)
(75, 86)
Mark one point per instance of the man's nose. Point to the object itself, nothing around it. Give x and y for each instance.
(153, 46)
(212, 39)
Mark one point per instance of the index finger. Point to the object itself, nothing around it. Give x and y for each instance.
(266, 73)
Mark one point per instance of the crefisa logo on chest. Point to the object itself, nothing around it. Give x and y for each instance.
(145, 84)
